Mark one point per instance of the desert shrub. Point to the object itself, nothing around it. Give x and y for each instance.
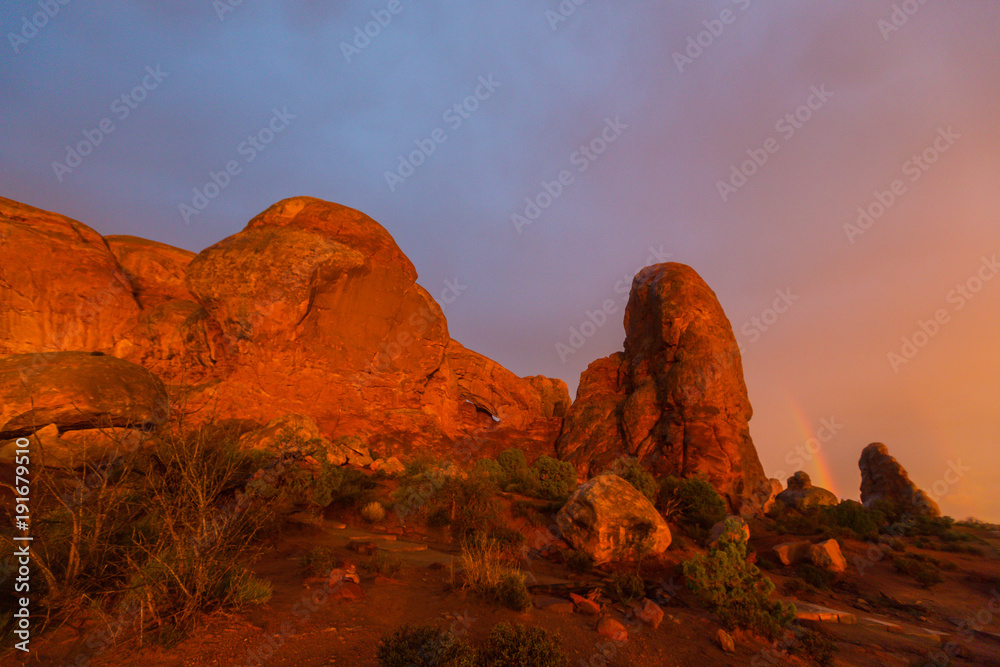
(816, 645)
(629, 469)
(488, 568)
(854, 516)
(424, 646)
(525, 509)
(438, 518)
(626, 587)
(735, 589)
(490, 468)
(512, 592)
(925, 573)
(517, 646)
(699, 503)
(817, 577)
(318, 561)
(382, 562)
(928, 526)
(373, 512)
(577, 561)
(512, 461)
(552, 479)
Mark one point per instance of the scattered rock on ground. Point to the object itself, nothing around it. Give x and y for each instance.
(828, 556)
(649, 613)
(792, 553)
(585, 605)
(725, 641)
(612, 629)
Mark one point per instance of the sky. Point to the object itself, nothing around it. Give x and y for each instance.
(831, 169)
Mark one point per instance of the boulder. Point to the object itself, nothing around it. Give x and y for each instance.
(675, 398)
(607, 519)
(391, 466)
(155, 270)
(883, 478)
(792, 553)
(827, 555)
(725, 641)
(612, 629)
(720, 531)
(61, 287)
(648, 612)
(801, 494)
(75, 390)
(584, 605)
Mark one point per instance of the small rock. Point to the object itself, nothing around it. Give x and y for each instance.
(649, 613)
(791, 553)
(725, 641)
(555, 605)
(612, 629)
(585, 606)
(828, 556)
(348, 591)
(364, 548)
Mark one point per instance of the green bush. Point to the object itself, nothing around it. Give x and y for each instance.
(318, 561)
(512, 461)
(512, 592)
(553, 479)
(854, 516)
(424, 646)
(924, 571)
(384, 563)
(736, 590)
(817, 646)
(631, 471)
(699, 503)
(517, 646)
(626, 587)
(438, 518)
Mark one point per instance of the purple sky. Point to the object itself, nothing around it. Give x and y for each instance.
(884, 85)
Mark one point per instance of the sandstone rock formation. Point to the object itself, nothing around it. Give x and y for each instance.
(312, 309)
(61, 287)
(607, 519)
(675, 398)
(827, 555)
(76, 390)
(801, 494)
(792, 553)
(883, 478)
(155, 270)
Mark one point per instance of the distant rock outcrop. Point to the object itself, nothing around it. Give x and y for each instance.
(883, 478)
(801, 494)
(675, 398)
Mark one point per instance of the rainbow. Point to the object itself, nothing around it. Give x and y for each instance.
(818, 466)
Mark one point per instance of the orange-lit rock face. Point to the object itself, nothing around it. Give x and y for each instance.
(884, 478)
(155, 270)
(678, 393)
(322, 314)
(61, 288)
(312, 309)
